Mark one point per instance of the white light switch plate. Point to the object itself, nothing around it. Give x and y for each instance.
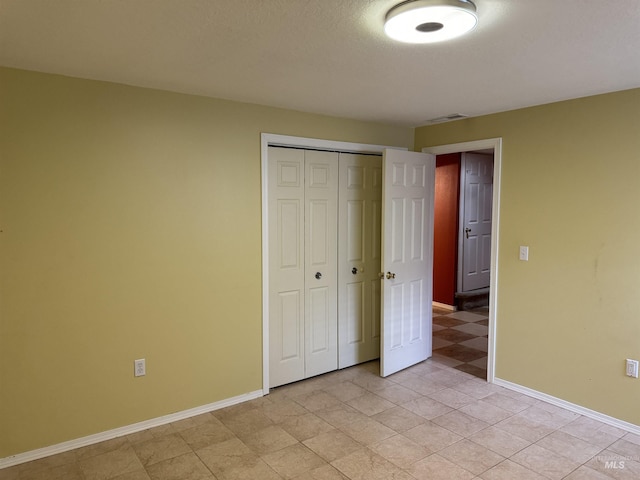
(139, 367)
(632, 368)
(524, 253)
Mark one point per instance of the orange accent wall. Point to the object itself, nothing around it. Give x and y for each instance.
(445, 234)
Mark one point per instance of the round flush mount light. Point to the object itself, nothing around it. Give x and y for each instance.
(428, 21)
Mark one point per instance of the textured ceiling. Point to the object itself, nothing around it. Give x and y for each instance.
(331, 56)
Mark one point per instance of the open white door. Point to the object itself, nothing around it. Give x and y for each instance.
(407, 259)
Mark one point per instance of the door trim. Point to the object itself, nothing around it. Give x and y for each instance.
(273, 140)
(496, 144)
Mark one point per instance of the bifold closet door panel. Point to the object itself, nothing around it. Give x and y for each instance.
(286, 266)
(303, 203)
(359, 257)
(321, 253)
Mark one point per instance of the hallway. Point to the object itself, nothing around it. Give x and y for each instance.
(460, 340)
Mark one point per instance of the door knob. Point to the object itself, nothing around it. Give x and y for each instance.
(381, 275)
(390, 275)
(354, 270)
(318, 275)
(466, 231)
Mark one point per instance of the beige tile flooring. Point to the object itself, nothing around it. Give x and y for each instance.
(430, 421)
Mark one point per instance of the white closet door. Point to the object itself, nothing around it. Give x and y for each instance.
(286, 266)
(303, 203)
(359, 258)
(321, 251)
(407, 259)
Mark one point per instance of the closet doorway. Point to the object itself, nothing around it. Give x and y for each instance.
(325, 256)
(406, 242)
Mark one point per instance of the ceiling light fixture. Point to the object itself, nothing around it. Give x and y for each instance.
(428, 21)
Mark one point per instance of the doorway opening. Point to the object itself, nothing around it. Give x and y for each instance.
(465, 337)
(273, 140)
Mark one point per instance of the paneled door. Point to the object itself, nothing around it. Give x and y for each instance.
(407, 259)
(321, 253)
(359, 256)
(302, 257)
(477, 197)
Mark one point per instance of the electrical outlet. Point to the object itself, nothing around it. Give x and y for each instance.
(139, 368)
(524, 253)
(632, 368)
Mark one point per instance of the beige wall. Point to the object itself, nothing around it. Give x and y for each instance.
(130, 227)
(130, 224)
(568, 318)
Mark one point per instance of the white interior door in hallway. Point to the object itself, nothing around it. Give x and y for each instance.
(303, 195)
(476, 182)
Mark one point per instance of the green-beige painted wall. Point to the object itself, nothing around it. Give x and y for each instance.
(131, 228)
(569, 317)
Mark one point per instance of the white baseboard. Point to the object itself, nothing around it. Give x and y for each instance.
(444, 306)
(174, 417)
(119, 432)
(572, 407)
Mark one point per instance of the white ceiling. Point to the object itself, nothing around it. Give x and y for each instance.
(331, 56)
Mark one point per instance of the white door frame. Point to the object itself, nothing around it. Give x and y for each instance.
(496, 144)
(270, 139)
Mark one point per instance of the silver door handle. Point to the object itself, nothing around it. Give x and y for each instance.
(467, 231)
(354, 270)
(318, 275)
(390, 275)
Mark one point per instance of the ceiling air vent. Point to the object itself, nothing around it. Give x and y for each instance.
(448, 118)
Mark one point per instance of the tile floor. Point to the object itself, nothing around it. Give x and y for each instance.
(460, 339)
(430, 421)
